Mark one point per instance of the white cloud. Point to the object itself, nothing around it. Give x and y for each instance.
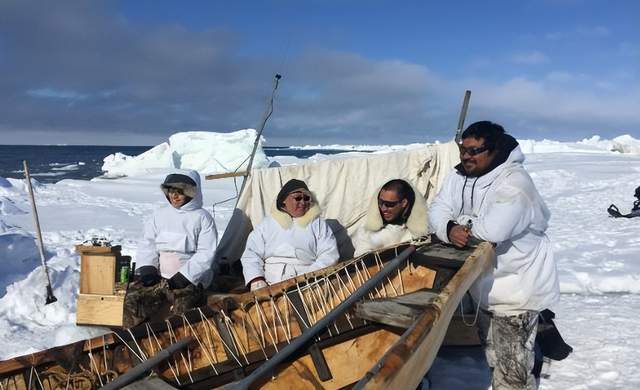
(534, 57)
(51, 93)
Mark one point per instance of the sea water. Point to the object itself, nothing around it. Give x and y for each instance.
(52, 163)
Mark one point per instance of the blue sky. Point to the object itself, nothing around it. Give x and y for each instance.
(134, 72)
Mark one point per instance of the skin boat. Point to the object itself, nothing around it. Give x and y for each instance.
(376, 321)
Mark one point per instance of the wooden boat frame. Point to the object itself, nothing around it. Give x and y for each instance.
(236, 334)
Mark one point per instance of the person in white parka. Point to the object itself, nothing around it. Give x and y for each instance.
(175, 256)
(395, 215)
(492, 197)
(293, 240)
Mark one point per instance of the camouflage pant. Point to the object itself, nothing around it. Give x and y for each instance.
(158, 301)
(509, 348)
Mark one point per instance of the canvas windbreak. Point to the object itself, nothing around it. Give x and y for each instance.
(343, 187)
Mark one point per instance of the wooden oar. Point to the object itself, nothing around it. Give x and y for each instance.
(463, 115)
(50, 297)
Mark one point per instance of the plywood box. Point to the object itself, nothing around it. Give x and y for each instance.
(94, 309)
(97, 274)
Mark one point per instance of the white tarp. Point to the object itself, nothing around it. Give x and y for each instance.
(343, 187)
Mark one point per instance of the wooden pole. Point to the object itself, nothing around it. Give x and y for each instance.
(265, 118)
(50, 297)
(463, 115)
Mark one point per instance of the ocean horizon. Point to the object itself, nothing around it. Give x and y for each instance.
(52, 163)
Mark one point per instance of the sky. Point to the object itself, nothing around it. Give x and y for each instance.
(363, 72)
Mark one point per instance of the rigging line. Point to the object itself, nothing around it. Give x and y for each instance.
(340, 299)
(235, 338)
(276, 81)
(276, 311)
(208, 334)
(93, 363)
(172, 334)
(129, 347)
(263, 319)
(228, 349)
(254, 332)
(193, 332)
(175, 376)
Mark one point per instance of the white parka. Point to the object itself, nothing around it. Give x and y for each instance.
(504, 208)
(281, 247)
(189, 232)
(374, 234)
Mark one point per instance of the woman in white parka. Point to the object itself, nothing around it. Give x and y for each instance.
(291, 241)
(175, 256)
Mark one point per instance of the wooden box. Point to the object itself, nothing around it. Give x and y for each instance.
(101, 297)
(95, 309)
(97, 274)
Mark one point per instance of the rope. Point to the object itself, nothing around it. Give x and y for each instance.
(194, 333)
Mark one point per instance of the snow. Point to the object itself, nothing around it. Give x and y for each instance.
(206, 152)
(598, 257)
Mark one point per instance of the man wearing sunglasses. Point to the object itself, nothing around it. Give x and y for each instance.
(490, 196)
(293, 240)
(175, 255)
(395, 215)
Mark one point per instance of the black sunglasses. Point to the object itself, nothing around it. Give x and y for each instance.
(298, 198)
(173, 190)
(472, 151)
(388, 204)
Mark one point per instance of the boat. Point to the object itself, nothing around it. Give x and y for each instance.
(253, 340)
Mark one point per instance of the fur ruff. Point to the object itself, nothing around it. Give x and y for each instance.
(416, 223)
(285, 220)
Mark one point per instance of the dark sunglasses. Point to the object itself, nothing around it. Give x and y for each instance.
(299, 198)
(173, 190)
(472, 151)
(388, 204)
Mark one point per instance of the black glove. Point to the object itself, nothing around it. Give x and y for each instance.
(178, 281)
(148, 275)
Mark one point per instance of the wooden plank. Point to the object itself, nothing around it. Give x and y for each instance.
(225, 175)
(97, 249)
(93, 309)
(399, 311)
(97, 274)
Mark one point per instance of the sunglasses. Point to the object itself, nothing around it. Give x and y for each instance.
(173, 190)
(388, 204)
(472, 151)
(299, 198)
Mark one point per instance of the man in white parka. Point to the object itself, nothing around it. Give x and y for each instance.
(291, 241)
(490, 196)
(395, 215)
(175, 256)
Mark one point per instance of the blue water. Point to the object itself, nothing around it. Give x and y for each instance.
(50, 164)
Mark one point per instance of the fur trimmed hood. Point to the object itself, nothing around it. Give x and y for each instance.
(285, 220)
(416, 223)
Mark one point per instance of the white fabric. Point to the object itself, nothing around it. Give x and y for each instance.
(505, 208)
(374, 234)
(170, 263)
(189, 232)
(342, 186)
(277, 252)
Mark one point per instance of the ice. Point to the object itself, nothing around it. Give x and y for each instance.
(206, 152)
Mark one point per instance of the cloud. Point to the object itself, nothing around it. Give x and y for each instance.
(81, 73)
(530, 58)
(580, 32)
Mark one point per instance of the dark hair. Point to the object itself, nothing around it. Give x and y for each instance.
(491, 132)
(404, 191)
